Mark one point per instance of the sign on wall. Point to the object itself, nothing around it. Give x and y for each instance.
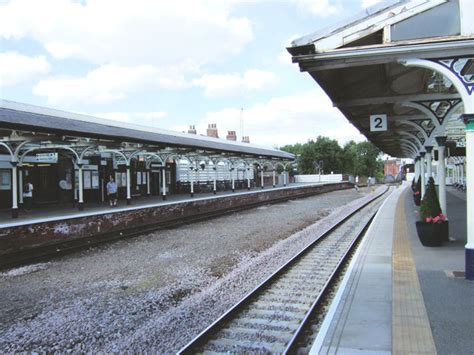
(378, 123)
(47, 158)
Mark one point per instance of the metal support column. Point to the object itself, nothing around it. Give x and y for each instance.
(469, 121)
(248, 179)
(214, 187)
(191, 180)
(129, 188)
(148, 187)
(233, 179)
(163, 179)
(261, 177)
(442, 174)
(14, 189)
(81, 187)
(284, 177)
(422, 173)
(20, 185)
(274, 178)
(429, 169)
(417, 168)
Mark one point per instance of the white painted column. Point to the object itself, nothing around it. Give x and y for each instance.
(14, 189)
(129, 188)
(248, 178)
(274, 178)
(191, 180)
(429, 167)
(442, 175)
(20, 185)
(469, 121)
(261, 176)
(148, 187)
(233, 179)
(214, 187)
(81, 187)
(422, 173)
(163, 180)
(284, 177)
(461, 173)
(417, 168)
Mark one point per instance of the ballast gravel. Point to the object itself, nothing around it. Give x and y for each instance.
(157, 291)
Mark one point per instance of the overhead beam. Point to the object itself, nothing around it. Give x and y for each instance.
(364, 56)
(395, 99)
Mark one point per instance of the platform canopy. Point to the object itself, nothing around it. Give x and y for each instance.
(26, 128)
(383, 63)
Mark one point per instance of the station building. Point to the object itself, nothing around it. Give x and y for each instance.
(70, 157)
(402, 73)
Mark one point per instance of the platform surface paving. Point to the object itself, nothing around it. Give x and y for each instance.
(401, 297)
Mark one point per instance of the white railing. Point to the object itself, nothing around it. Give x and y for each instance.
(318, 178)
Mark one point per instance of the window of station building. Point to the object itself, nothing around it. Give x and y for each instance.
(5, 179)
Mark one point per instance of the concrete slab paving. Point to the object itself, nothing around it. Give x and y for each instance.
(437, 316)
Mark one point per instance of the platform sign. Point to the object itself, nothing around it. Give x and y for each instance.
(46, 158)
(378, 123)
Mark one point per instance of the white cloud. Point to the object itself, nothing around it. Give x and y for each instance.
(229, 85)
(106, 84)
(16, 68)
(369, 3)
(320, 8)
(185, 34)
(283, 120)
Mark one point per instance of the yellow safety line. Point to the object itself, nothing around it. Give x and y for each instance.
(411, 331)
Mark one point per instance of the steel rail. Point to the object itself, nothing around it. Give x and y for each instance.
(202, 337)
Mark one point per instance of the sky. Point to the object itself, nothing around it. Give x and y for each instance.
(171, 64)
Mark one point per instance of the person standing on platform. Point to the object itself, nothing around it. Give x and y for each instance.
(28, 195)
(112, 191)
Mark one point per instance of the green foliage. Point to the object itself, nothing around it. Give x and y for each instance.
(429, 204)
(354, 158)
(293, 148)
(418, 184)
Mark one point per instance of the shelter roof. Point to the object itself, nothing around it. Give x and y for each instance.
(359, 63)
(19, 116)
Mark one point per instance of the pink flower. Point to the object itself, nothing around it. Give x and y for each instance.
(436, 219)
(428, 219)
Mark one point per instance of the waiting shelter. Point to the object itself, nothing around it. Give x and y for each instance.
(402, 73)
(70, 157)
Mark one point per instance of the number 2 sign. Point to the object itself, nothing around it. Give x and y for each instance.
(378, 123)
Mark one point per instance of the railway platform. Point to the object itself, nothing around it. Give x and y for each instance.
(45, 232)
(41, 213)
(401, 297)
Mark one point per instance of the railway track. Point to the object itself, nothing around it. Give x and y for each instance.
(281, 315)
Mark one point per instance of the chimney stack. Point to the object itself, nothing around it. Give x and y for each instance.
(192, 129)
(231, 136)
(212, 130)
(245, 139)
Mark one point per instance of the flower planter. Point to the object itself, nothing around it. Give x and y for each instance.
(417, 199)
(443, 231)
(430, 234)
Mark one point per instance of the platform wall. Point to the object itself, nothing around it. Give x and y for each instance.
(21, 238)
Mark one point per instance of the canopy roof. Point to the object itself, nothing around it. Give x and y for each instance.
(68, 126)
(361, 65)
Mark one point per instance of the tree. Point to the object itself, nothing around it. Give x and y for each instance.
(354, 158)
